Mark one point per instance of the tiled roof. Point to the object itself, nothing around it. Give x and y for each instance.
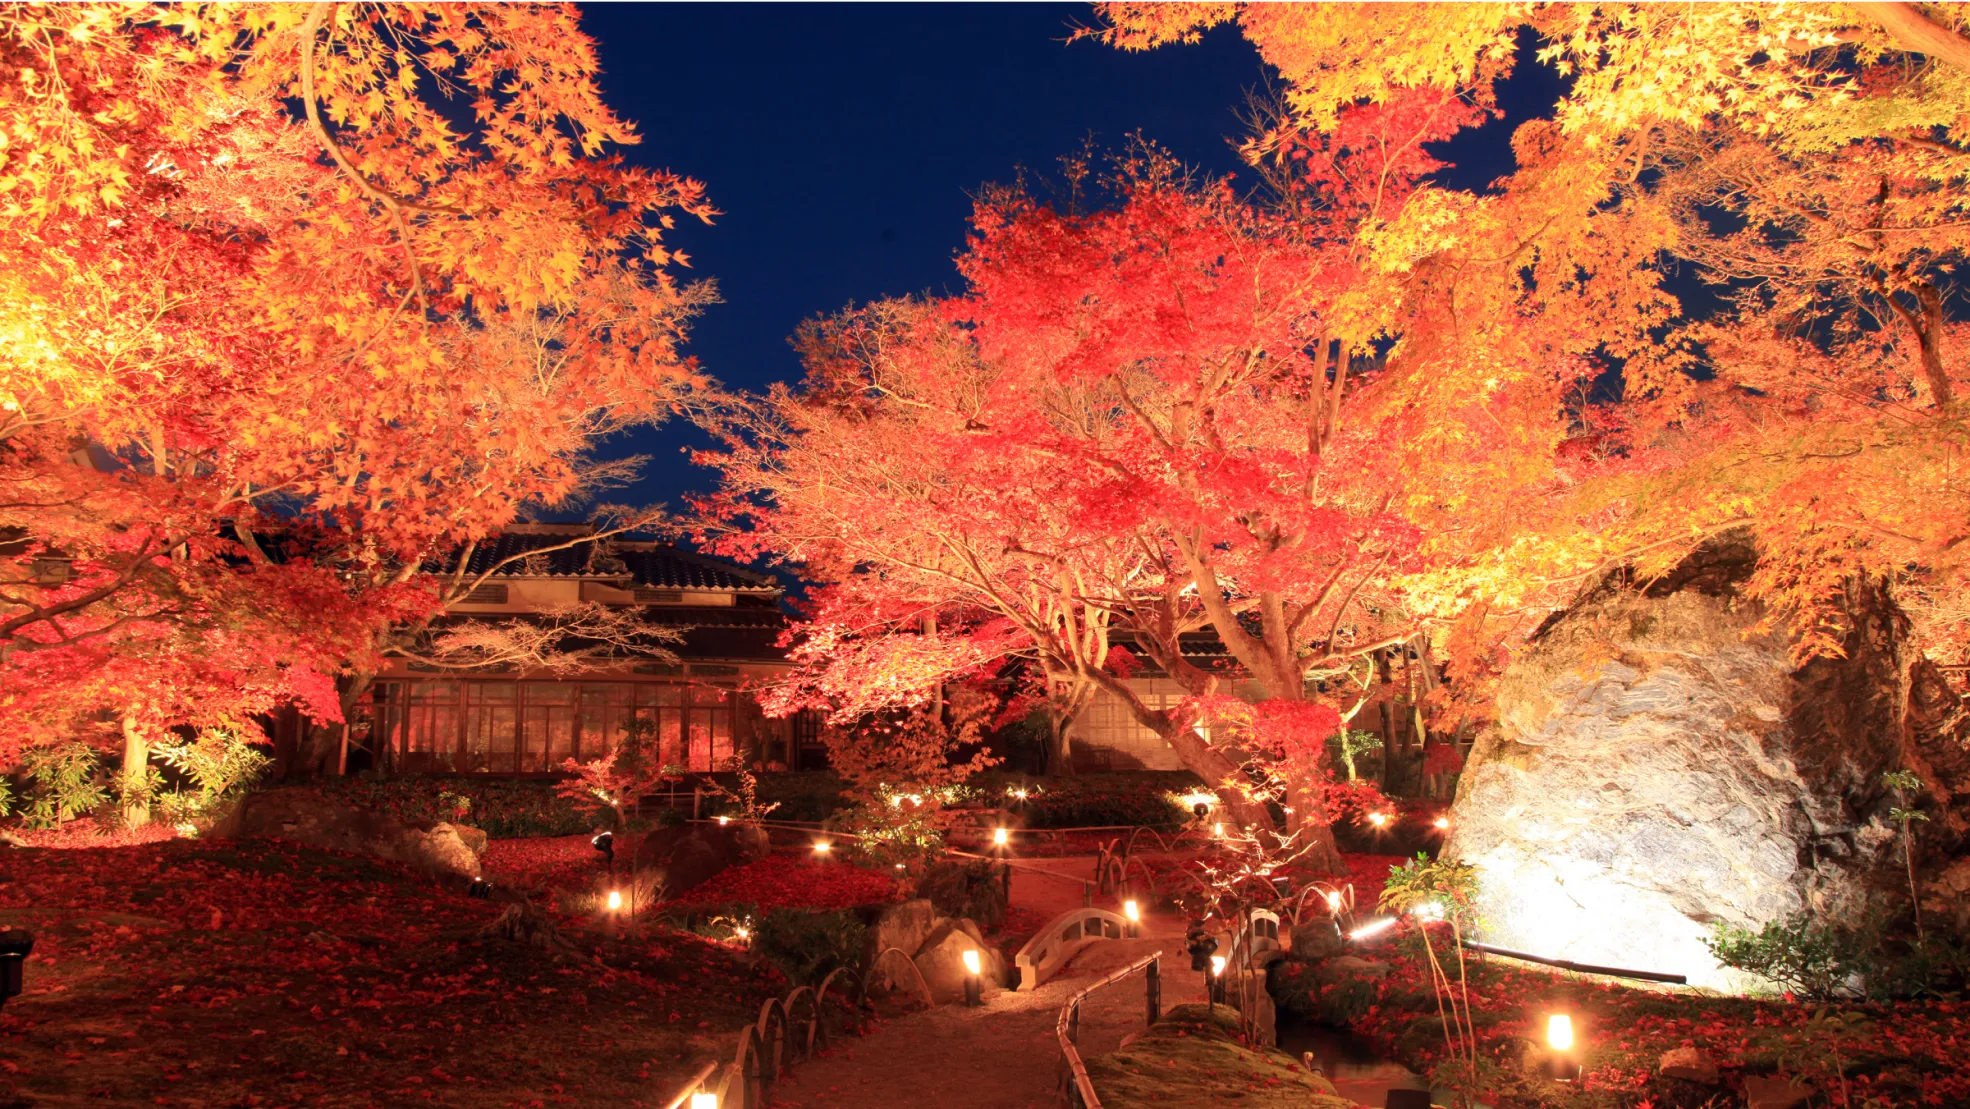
(710, 632)
(651, 565)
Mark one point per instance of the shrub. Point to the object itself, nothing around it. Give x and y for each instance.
(218, 764)
(66, 783)
(1806, 956)
(503, 808)
(807, 945)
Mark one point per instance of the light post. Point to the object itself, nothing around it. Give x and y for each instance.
(15, 946)
(1217, 979)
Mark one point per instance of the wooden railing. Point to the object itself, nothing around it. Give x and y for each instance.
(1067, 1030)
(1065, 934)
(786, 1032)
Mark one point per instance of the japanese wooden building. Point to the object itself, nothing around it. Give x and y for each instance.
(425, 719)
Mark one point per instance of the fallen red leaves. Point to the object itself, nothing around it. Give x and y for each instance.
(794, 882)
(264, 973)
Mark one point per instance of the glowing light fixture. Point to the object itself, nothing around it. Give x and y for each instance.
(724, 820)
(1217, 830)
(704, 1101)
(1378, 819)
(1134, 914)
(822, 847)
(1333, 901)
(615, 901)
(973, 984)
(1442, 822)
(1217, 965)
(1372, 928)
(1559, 1032)
(1428, 910)
(1000, 836)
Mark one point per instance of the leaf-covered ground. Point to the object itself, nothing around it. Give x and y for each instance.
(258, 973)
(1899, 1054)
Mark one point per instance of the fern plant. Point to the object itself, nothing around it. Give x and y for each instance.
(218, 763)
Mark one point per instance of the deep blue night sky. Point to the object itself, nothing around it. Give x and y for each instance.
(844, 142)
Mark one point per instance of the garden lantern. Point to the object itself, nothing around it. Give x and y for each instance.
(974, 988)
(1000, 837)
(822, 847)
(1561, 1064)
(1133, 912)
(15, 946)
(615, 901)
(1200, 947)
(703, 1100)
(1217, 979)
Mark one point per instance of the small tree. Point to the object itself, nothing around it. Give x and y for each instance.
(1906, 783)
(1441, 892)
(633, 767)
(903, 773)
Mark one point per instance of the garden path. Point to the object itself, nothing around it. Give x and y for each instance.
(1001, 1055)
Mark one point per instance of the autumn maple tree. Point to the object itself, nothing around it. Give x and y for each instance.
(303, 297)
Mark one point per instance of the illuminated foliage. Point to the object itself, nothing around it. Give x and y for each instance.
(300, 295)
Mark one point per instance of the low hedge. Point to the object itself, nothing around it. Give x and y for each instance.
(1093, 800)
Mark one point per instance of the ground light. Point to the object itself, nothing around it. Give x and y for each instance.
(1378, 819)
(724, 820)
(1000, 837)
(1562, 1064)
(1372, 928)
(1442, 823)
(822, 847)
(704, 1101)
(615, 901)
(606, 843)
(1134, 914)
(480, 888)
(1217, 979)
(974, 989)
(15, 946)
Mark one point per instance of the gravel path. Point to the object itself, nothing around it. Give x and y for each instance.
(1001, 1055)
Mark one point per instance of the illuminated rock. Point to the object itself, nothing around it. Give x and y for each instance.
(1659, 766)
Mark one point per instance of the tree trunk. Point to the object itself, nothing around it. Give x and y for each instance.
(135, 776)
(1060, 754)
(1387, 708)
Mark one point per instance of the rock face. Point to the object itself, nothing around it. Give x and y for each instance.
(685, 856)
(904, 926)
(305, 816)
(1659, 765)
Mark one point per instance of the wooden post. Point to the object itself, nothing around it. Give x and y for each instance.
(1154, 989)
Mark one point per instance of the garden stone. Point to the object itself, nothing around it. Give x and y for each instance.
(306, 816)
(1317, 938)
(941, 961)
(9, 839)
(475, 839)
(974, 889)
(1688, 1064)
(685, 856)
(1660, 766)
(905, 926)
(1778, 1092)
(1345, 967)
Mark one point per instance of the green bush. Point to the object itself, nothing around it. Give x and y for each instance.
(1801, 954)
(806, 945)
(66, 783)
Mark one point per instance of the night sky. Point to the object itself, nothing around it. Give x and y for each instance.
(844, 142)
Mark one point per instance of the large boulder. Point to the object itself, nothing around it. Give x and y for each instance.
(904, 926)
(974, 889)
(685, 856)
(940, 960)
(1660, 765)
(307, 816)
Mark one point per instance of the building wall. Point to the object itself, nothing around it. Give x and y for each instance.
(1107, 735)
